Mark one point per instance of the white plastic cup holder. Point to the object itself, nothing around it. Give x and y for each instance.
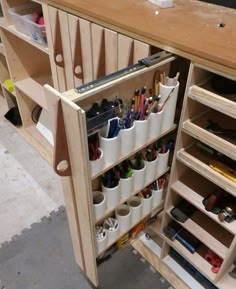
(97, 165)
(147, 205)
(126, 187)
(135, 204)
(123, 215)
(151, 170)
(111, 149)
(112, 196)
(113, 234)
(99, 204)
(142, 131)
(170, 106)
(127, 137)
(102, 242)
(140, 178)
(157, 197)
(162, 163)
(155, 124)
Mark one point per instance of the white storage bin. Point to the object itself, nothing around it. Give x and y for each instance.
(170, 106)
(22, 18)
(111, 148)
(102, 239)
(157, 197)
(141, 131)
(151, 170)
(123, 215)
(162, 163)
(127, 137)
(112, 232)
(112, 196)
(126, 187)
(147, 205)
(135, 204)
(139, 178)
(155, 124)
(97, 165)
(99, 204)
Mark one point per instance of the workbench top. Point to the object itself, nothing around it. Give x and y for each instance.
(191, 27)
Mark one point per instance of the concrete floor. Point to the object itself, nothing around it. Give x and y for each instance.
(29, 189)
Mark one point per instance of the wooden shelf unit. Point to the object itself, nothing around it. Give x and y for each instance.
(193, 179)
(80, 49)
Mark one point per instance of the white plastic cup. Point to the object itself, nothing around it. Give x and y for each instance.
(147, 205)
(157, 197)
(112, 196)
(155, 124)
(111, 149)
(139, 178)
(142, 131)
(127, 137)
(170, 106)
(99, 204)
(135, 204)
(151, 171)
(126, 187)
(97, 165)
(102, 243)
(113, 236)
(123, 215)
(162, 163)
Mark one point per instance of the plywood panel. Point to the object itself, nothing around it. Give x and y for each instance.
(98, 49)
(81, 49)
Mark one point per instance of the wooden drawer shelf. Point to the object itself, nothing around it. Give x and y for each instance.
(213, 100)
(136, 149)
(197, 129)
(209, 233)
(158, 208)
(196, 259)
(122, 201)
(198, 161)
(195, 197)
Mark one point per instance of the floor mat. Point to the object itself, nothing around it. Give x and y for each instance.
(42, 258)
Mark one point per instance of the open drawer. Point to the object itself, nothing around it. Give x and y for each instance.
(211, 89)
(71, 155)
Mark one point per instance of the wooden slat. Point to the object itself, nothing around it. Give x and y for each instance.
(141, 50)
(213, 100)
(194, 198)
(61, 41)
(85, 44)
(75, 125)
(50, 45)
(210, 139)
(206, 171)
(195, 259)
(98, 49)
(34, 90)
(195, 225)
(111, 48)
(125, 51)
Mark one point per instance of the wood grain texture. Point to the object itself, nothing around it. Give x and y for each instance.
(191, 26)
